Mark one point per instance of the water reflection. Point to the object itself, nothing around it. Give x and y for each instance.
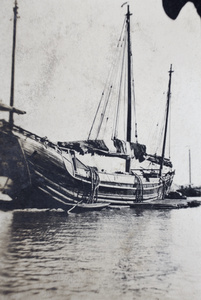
(113, 254)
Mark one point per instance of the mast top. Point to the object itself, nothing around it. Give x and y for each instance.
(128, 12)
(171, 71)
(15, 10)
(16, 7)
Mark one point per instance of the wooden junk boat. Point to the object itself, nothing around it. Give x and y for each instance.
(35, 172)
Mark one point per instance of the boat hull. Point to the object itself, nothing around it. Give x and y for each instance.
(36, 173)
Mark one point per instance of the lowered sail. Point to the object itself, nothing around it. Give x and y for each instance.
(117, 148)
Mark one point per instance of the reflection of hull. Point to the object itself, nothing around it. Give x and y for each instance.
(36, 173)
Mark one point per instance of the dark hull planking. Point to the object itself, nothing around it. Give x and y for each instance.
(34, 173)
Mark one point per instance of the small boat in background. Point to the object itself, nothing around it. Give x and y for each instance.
(175, 195)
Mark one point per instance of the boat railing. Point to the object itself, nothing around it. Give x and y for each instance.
(35, 137)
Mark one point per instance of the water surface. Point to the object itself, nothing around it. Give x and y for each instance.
(113, 254)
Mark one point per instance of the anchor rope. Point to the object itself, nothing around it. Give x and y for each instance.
(95, 182)
(139, 189)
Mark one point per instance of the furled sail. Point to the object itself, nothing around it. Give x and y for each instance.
(157, 160)
(130, 149)
(117, 148)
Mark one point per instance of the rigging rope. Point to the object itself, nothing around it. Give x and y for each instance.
(95, 115)
(134, 100)
(139, 189)
(125, 105)
(114, 76)
(122, 30)
(116, 119)
(160, 138)
(95, 182)
(156, 131)
(103, 112)
(103, 103)
(169, 131)
(101, 100)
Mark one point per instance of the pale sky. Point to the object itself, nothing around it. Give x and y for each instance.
(63, 56)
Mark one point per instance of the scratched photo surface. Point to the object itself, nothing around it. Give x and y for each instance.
(64, 52)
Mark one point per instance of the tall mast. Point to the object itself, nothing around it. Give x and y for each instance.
(128, 137)
(189, 168)
(166, 121)
(15, 8)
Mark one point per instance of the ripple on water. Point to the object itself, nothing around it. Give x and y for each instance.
(113, 254)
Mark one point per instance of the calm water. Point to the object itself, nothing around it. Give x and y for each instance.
(113, 254)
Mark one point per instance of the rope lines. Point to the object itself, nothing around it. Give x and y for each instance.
(110, 114)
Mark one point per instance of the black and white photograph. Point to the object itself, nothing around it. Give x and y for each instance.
(100, 169)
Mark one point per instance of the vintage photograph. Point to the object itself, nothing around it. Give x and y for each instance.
(100, 170)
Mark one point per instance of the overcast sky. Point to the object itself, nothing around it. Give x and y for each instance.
(63, 56)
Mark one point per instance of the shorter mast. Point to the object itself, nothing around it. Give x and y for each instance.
(189, 168)
(15, 8)
(166, 121)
